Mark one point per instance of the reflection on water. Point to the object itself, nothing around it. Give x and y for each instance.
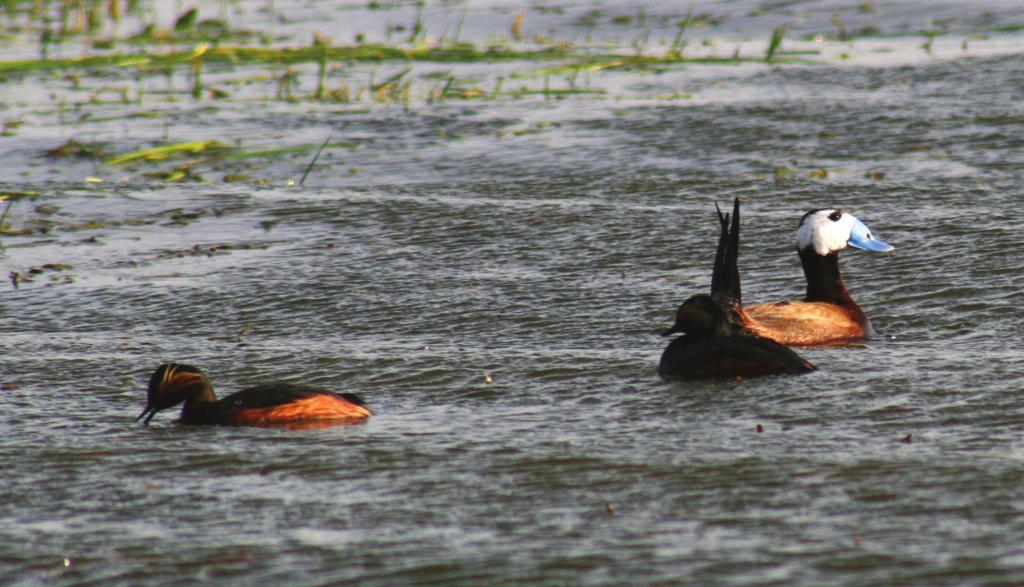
(496, 297)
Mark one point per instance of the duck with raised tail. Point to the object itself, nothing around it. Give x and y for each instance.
(716, 344)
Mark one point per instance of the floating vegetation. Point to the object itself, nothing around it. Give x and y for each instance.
(210, 250)
(458, 53)
(782, 173)
(11, 196)
(111, 60)
(181, 217)
(547, 91)
(534, 129)
(74, 148)
(240, 55)
(820, 173)
(29, 275)
(168, 151)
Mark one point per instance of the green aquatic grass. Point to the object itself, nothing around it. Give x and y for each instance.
(774, 43)
(3, 215)
(270, 152)
(552, 67)
(14, 195)
(170, 151)
(550, 92)
(200, 155)
(241, 55)
(678, 44)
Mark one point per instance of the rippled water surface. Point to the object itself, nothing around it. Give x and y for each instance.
(492, 277)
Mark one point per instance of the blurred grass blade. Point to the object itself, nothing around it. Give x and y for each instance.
(313, 162)
(775, 42)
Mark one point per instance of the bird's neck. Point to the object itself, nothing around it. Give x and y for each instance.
(824, 281)
(201, 406)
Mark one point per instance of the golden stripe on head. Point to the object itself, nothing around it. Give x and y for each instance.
(169, 370)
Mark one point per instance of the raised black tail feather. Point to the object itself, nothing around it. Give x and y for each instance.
(725, 278)
(718, 274)
(732, 254)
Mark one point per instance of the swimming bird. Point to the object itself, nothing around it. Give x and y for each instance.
(716, 344)
(262, 405)
(827, 314)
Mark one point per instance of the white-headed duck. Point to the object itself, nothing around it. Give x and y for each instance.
(827, 315)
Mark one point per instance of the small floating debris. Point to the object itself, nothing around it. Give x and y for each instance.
(17, 277)
(819, 173)
(74, 148)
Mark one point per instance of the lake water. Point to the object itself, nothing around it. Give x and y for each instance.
(492, 277)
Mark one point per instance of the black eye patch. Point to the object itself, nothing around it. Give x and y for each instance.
(835, 216)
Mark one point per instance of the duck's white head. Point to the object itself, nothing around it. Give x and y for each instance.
(831, 230)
